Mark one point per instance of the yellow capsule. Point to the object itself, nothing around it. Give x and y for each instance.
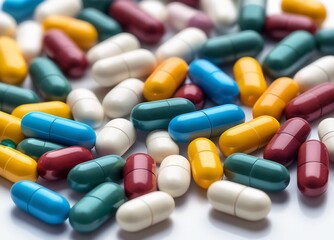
(249, 77)
(82, 33)
(206, 167)
(10, 128)
(275, 98)
(249, 136)
(165, 79)
(13, 68)
(16, 166)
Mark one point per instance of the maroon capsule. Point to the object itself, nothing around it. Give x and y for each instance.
(191, 3)
(312, 172)
(56, 164)
(68, 56)
(312, 104)
(136, 21)
(283, 147)
(139, 175)
(193, 93)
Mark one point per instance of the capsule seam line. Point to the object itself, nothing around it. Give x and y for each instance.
(127, 66)
(104, 175)
(142, 169)
(192, 50)
(28, 203)
(236, 200)
(258, 136)
(173, 165)
(316, 97)
(49, 137)
(138, 98)
(122, 132)
(233, 48)
(209, 123)
(148, 206)
(328, 77)
(251, 170)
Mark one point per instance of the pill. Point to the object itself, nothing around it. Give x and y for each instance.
(249, 136)
(116, 137)
(56, 108)
(15, 166)
(250, 79)
(313, 168)
(283, 147)
(10, 128)
(252, 15)
(325, 133)
(217, 85)
(20, 10)
(48, 79)
(145, 211)
(8, 143)
(238, 200)
(40, 202)
(165, 79)
(139, 175)
(56, 129)
(206, 167)
(56, 164)
(65, 53)
(85, 107)
(101, 5)
(135, 20)
(154, 8)
(110, 71)
(231, 47)
(324, 39)
(274, 100)
(312, 104)
(7, 25)
(193, 93)
(184, 44)
(149, 116)
(13, 68)
(123, 97)
(290, 54)
(256, 172)
(103, 202)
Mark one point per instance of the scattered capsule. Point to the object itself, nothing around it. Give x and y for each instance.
(10, 128)
(155, 8)
(7, 25)
(20, 10)
(324, 39)
(8, 143)
(193, 93)
(252, 15)
(325, 133)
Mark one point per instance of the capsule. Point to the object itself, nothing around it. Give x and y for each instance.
(56, 129)
(85, 107)
(103, 202)
(216, 84)
(13, 68)
(249, 136)
(86, 176)
(40, 202)
(238, 200)
(325, 41)
(312, 104)
(116, 137)
(7, 25)
(20, 10)
(206, 167)
(191, 3)
(10, 128)
(101, 5)
(135, 20)
(290, 54)
(165, 79)
(8, 143)
(252, 15)
(145, 211)
(229, 48)
(82, 33)
(325, 133)
(63, 51)
(156, 9)
(184, 44)
(283, 147)
(149, 116)
(249, 77)
(110, 71)
(193, 93)
(55, 165)
(274, 100)
(256, 172)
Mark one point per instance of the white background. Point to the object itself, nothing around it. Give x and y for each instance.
(292, 216)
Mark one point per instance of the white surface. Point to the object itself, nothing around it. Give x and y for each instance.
(293, 216)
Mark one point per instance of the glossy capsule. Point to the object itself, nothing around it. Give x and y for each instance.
(101, 5)
(40, 202)
(256, 172)
(252, 15)
(7, 25)
(10, 128)
(325, 133)
(20, 9)
(193, 93)
(325, 41)
(156, 9)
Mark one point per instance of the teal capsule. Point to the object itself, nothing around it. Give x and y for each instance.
(85, 176)
(290, 54)
(252, 14)
(101, 5)
(13, 96)
(8, 143)
(325, 41)
(256, 172)
(96, 207)
(231, 47)
(49, 80)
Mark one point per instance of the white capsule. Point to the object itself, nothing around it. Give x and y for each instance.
(122, 98)
(145, 211)
(326, 135)
(7, 25)
(115, 45)
(185, 45)
(155, 8)
(110, 71)
(116, 137)
(239, 200)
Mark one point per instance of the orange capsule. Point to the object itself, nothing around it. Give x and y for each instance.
(10, 128)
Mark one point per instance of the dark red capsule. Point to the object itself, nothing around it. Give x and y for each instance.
(193, 93)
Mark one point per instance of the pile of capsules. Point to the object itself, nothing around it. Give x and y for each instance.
(67, 36)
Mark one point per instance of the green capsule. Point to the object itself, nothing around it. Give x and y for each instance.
(8, 143)
(102, 5)
(49, 80)
(96, 207)
(325, 41)
(85, 176)
(13, 96)
(256, 172)
(290, 54)
(252, 14)
(231, 47)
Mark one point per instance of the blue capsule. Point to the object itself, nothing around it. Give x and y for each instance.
(20, 9)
